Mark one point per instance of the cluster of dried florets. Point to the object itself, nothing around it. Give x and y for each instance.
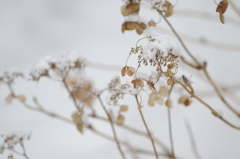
(159, 52)
(10, 142)
(118, 90)
(10, 75)
(131, 11)
(52, 67)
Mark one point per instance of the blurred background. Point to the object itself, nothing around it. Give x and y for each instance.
(30, 30)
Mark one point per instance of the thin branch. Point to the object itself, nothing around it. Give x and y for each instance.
(200, 66)
(70, 93)
(170, 124)
(214, 112)
(112, 126)
(145, 124)
(192, 140)
(133, 130)
(234, 7)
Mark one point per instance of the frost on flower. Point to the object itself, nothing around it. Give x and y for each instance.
(159, 47)
(49, 65)
(118, 90)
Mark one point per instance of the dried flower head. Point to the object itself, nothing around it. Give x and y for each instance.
(221, 8)
(185, 100)
(128, 9)
(130, 71)
(118, 90)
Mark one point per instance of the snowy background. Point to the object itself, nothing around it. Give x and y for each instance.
(30, 30)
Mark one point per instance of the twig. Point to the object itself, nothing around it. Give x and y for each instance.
(214, 112)
(145, 124)
(158, 142)
(112, 126)
(234, 7)
(170, 124)
(192, 140)
(200, 66)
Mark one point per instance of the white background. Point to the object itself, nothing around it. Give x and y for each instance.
(30, 30)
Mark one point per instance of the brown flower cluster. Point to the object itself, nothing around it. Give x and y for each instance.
(118, 90)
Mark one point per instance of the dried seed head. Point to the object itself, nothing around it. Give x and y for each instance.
(163, 91)
(168, 103)
(129, 26)
(120, 119)
(21, 98)
(123, 108)
(170, 66)
(185, 100)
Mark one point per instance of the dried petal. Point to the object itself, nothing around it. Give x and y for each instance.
(124, 71)
(77, 117)
(80, 127)
(187, 102)
(169, 9)
(168, 103)
(166, 74)
(120, 119)
(182, 99)
(21, 98)
(143, 26)
(139, 30)
(163, 91)
(170, 81)
(123, 108)
(130, 9)
(140, 83)
(130, 71)
(222, 6)
(9, 99)
(151, 23)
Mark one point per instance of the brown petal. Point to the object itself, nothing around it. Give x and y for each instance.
(170, 81)
(120, 119)
(130, 71)
(123, 108)
(130, 9)
(168, 103)
(124, 71)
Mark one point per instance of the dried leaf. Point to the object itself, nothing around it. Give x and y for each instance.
(120, 119)
(170, 81)
(21, 98)
(163, 91)
(124, 71)
(170, 66)
(123, 108)
(130, 71)
(168, 103)
(126, 10)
